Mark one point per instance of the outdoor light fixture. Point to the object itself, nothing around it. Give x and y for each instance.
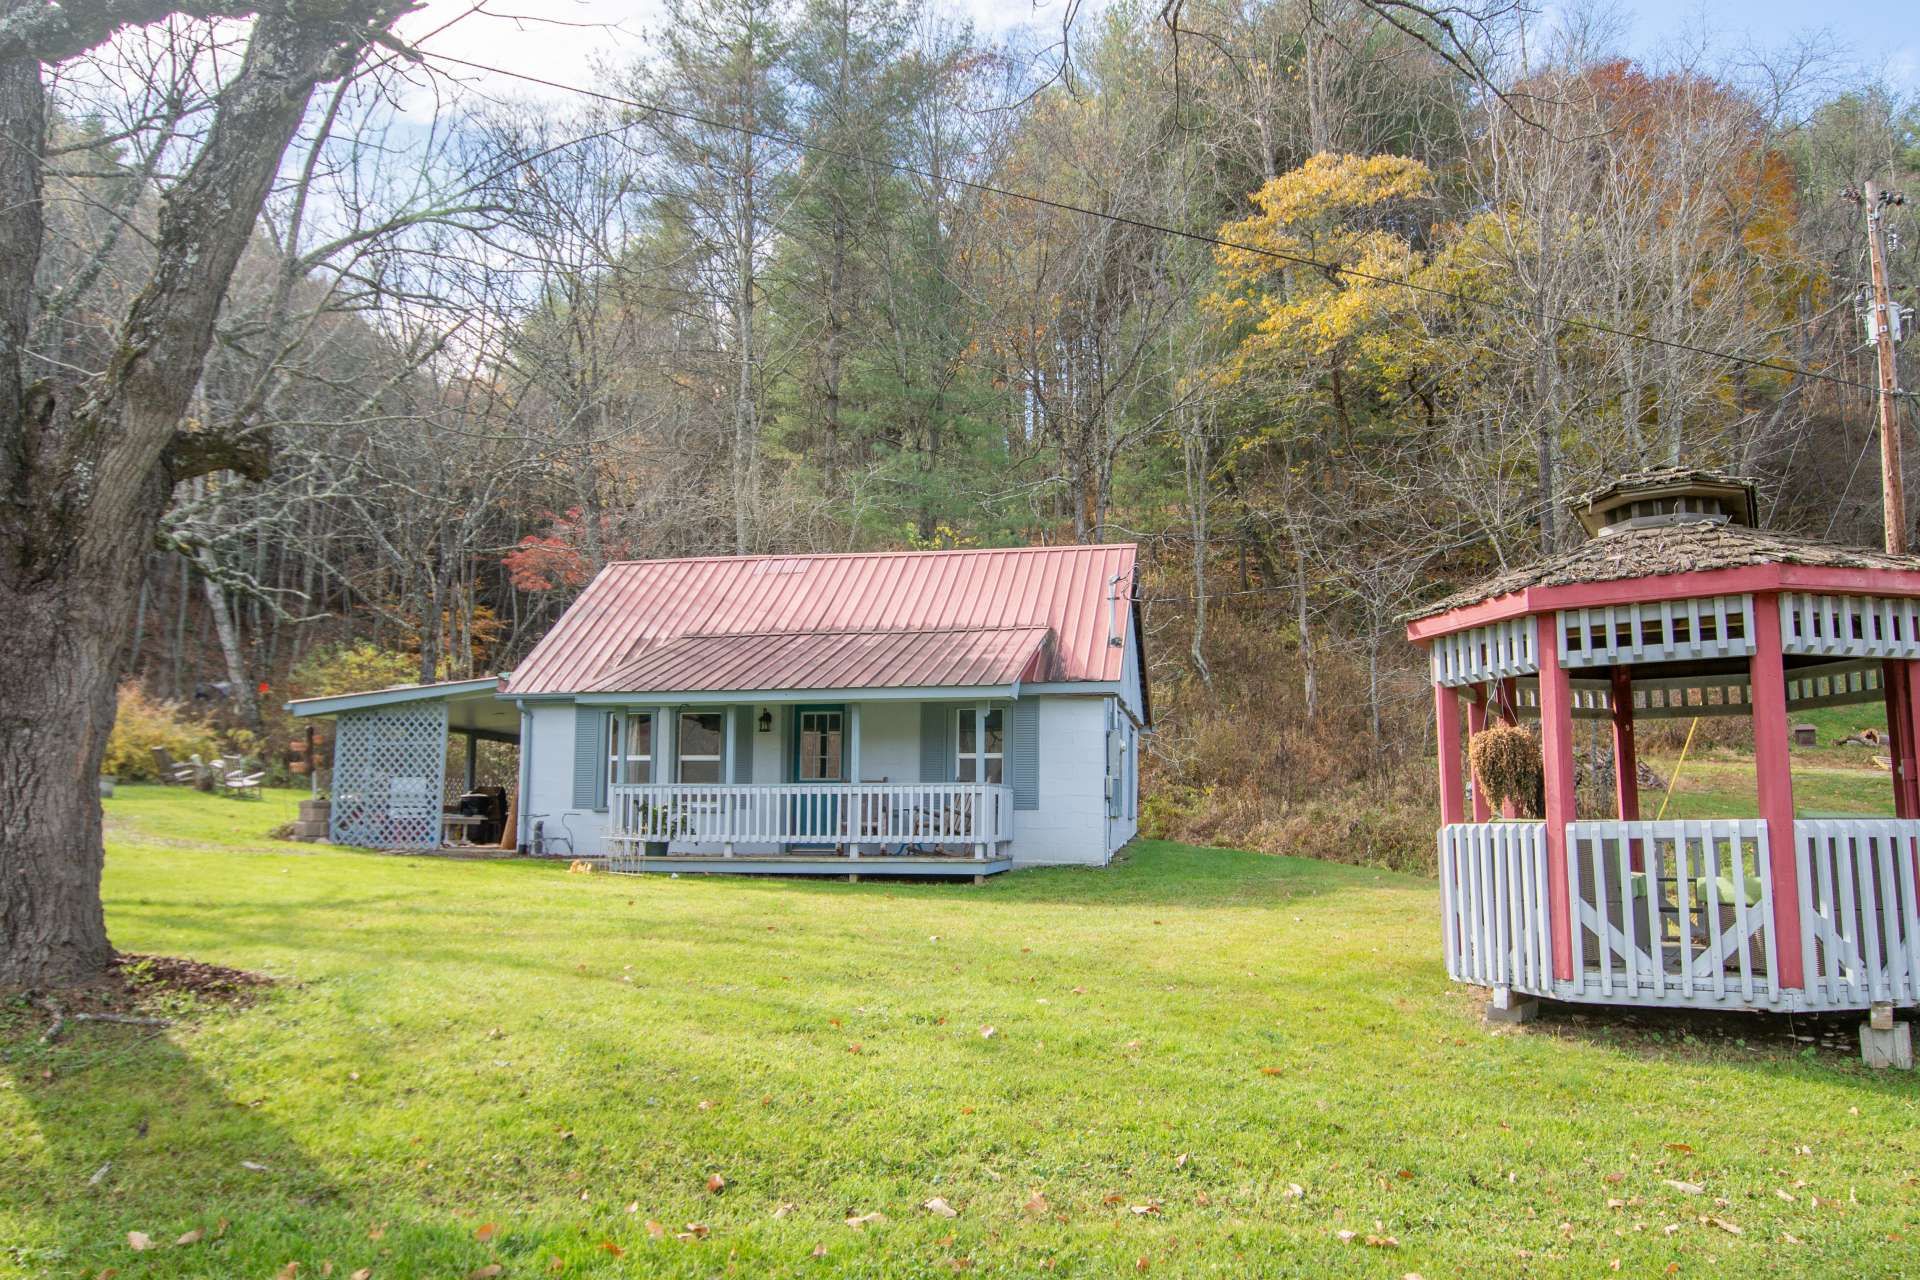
(766, 722)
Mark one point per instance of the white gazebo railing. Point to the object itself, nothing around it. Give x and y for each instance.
(1683, 913)
(1673, 912)
(954, 817)
(1493, 890)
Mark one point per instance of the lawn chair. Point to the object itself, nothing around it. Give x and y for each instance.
(241, 778)
(172, 772)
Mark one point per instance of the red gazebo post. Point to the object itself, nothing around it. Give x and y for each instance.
(1556, 754)
(1773, 773)
(1446, 717)
(1896, 687)
(1626, 763)
(1477, 723)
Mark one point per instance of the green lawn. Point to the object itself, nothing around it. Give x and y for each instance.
(474, 1064)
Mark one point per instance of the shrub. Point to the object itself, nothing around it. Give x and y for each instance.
(1507, 767)
(143, 723)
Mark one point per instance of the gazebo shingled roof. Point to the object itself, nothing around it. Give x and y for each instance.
(1682, 548)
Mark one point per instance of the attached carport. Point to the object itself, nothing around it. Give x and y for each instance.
(390, 758)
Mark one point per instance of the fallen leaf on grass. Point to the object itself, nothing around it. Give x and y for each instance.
(194, 1236)
(1180, 1161)
(487, 1272)
(695, 1231)
(1347, 1237)
(1684, 1188)
(139, 1241)
(1787, 1237)
(656, 1230)
(376, 1231)
(1784, 1194)
(609, 1246)
(784, 1208)
(1037, 1204)
(288, 1272)
(716, 1184)
(988, 1033)
(254, 1165)
(485, 1232)
(940, 1208)
(1726, 1226)
(364, 1273)
(1383, 1242)
(866, 1220)
(1294, 1191)
(1112, 1198)
(1273, 1071)
(820, 1251)
(1680, 1148)
(1144, 1210)
(633, 1206)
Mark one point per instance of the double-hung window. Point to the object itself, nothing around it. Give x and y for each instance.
(980, 747)
(630, 747)
(702, 740)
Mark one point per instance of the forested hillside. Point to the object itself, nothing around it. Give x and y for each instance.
(1328, 312)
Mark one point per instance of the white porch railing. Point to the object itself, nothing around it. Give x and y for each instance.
(1493, 894)
(947, 817)
(1673, 912)
(1860, 910)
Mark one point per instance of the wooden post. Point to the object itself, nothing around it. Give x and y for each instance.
(473, 761)
(1477, 721)
(1773, 771)
(1893, 497)
(1626, 765)
(1895, 686)
(1556, 751)
(1446, 708)
(313, 765)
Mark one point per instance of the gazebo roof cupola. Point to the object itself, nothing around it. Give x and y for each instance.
(1668, 497)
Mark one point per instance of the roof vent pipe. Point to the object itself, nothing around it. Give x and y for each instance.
(1114, 637)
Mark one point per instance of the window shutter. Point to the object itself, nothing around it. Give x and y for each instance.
(936, 742)
(1023, 752)
(1116, 764)
(589, 758)
(743, 727)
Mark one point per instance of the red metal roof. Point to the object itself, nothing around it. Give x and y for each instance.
(633, 610)
(837, 660)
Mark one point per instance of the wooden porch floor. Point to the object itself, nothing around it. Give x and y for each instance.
(810, 864)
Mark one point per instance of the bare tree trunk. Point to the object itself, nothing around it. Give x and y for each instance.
(86, 471)
(227, 630)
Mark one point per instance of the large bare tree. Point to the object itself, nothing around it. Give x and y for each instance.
(89, 462)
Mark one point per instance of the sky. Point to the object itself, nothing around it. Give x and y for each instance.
(563, 44)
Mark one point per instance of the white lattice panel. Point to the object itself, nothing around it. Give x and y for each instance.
(1715, 627)
(1850, 626)
(1492, 652)
(389, 769)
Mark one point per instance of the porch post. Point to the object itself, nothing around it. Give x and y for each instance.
(1773, 770)
(665, 756)
(1446, 717)
(853, 742)
(473, 760)
(1477, 721)
(1556, 752)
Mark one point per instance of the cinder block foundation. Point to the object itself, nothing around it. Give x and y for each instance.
(1508, 1009)
(1891, 1048)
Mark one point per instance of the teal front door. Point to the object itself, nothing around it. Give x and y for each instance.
(820, 757)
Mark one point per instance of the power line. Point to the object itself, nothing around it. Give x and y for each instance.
(768, 135)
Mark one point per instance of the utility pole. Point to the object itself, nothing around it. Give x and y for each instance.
(1893, 496)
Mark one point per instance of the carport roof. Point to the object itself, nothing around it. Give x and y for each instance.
(471, 704)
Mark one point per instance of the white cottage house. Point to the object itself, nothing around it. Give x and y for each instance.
(900, 713)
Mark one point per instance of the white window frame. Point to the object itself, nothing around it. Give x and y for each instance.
(980, 755)
(619, 759)
(681, 756)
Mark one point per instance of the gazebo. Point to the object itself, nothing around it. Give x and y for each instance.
(1678, 605)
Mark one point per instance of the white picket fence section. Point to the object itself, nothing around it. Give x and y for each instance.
(1493, 895)
(1673, 913)
(945, 817)
(1860, 910)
